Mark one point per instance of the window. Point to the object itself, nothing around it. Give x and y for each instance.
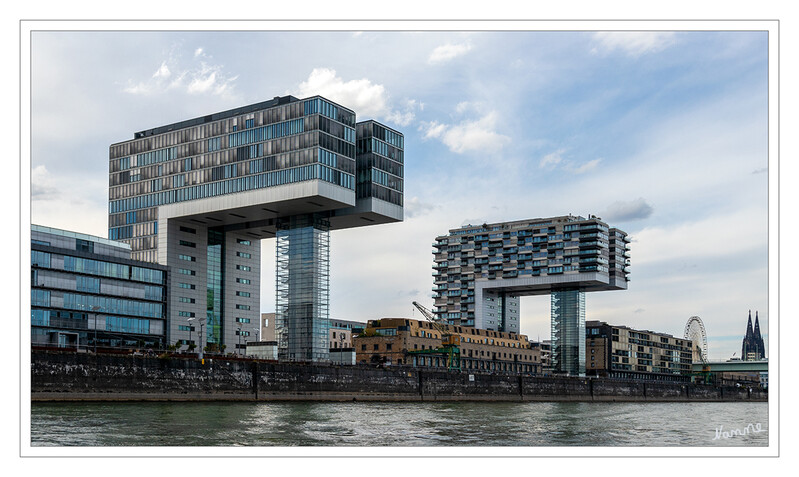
(241, 293)
(188, 230)
(183, 299)
(186, 243)
(242, 320)
(243, 242)
(243, 255)
(244, 281)
(186, 272)
(375, 347)
(189, 314)
(242, 307)
(363, 347)
(388, 346)
(189, 286)
(243, 268)
(188, 258)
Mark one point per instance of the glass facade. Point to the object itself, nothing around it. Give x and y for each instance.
(302, 282)
(91, 303)
(282, 142)
(568, 331)
(214, 318)
(380, 162)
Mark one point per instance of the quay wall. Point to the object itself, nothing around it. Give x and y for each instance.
(65, 376)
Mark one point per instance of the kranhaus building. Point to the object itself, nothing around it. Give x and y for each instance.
(199, 196)
(480, 272)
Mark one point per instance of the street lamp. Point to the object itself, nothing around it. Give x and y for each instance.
(95, 309)
(190, 328)
(202, 323)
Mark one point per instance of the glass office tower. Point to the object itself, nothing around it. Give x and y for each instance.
(199, 196)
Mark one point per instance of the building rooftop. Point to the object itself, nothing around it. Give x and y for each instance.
(91, 238)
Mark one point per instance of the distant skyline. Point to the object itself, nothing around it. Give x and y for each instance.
(662, 134)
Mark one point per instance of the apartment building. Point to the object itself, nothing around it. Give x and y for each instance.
(622, 352)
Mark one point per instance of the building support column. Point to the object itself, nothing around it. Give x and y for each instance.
(568, 331)
(303, 289)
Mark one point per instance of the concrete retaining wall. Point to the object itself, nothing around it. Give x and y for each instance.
(70, 376)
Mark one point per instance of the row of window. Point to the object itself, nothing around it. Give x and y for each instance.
(98, 267)
(297, 174)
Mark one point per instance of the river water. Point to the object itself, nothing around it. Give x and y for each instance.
(398, 424)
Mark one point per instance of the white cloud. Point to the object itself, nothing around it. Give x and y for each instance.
(447, 52)
(551, 160)
(703, 239)
(582, 168)
(555, 160)
(634, 43)
(42, 185)
(197, 79)
(361, 95)
(467, 135)
(162, 72)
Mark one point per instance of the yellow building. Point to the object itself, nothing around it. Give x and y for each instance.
(402, 341)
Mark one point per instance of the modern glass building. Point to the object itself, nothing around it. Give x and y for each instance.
(199, 196)
(481, 271)
(87, 293)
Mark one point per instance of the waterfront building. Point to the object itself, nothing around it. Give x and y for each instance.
(402, 341)
(267, 327)
(753, 348)
(199, 196)
(262, 350)
(341, 333)
(481, 271)
(88, 294)
(622, 352)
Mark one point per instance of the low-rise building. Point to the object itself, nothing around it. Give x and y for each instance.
(622, 352)
(403, 341)
(262, 349)
(87, 294)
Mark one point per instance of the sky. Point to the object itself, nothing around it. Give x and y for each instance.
(661, 134)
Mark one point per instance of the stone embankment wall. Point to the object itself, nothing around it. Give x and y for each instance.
(71, 376)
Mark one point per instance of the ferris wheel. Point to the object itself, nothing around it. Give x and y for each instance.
(695, 331)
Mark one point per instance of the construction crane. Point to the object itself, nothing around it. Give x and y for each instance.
(450, 342)
(705, 373)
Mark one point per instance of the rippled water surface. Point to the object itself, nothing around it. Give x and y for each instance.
(397, 424)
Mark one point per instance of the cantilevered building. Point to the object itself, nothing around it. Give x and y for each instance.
(481, 271)
(199, 195)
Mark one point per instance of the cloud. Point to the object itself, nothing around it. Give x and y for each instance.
(692, 241)
(639, 310)
(634, 43)
(447, 52)
(551, 160)
(555, 160)
(360, 95)
(416, 208)
(42, 187)
(467, 135)
(620, 211)
(585, 167)
(162, 72)
(202, 78)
